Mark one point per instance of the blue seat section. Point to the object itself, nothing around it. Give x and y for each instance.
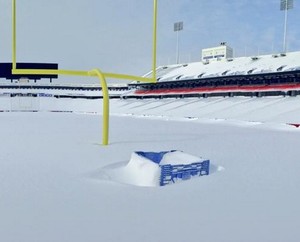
(173, 173)
(156, 157)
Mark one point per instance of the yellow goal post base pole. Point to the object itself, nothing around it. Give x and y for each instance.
(105, 122)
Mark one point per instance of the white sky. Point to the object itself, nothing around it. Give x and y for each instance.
(116, 36)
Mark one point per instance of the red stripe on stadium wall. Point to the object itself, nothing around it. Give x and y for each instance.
(280, 87)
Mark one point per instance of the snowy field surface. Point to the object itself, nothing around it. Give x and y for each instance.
(53, 188)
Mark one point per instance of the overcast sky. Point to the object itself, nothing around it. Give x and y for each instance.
(116, 35)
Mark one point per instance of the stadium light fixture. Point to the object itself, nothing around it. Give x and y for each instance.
(285, 5)
(177, 28)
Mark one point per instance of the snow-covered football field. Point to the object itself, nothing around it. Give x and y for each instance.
(52, 186)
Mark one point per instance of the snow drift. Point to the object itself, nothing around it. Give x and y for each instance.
(152, 169)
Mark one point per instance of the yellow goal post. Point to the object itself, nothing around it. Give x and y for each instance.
(94, 73)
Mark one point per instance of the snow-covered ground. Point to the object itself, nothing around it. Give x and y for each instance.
(52, 186)
(266, 109)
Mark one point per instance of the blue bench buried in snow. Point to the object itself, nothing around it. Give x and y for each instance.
(172, 173)
(176, 165)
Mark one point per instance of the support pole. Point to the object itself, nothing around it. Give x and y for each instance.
(285, 27)
(177, 27)
(154, 40)
(14, 43)
(285, 5)
(105, 123)
(177, 49)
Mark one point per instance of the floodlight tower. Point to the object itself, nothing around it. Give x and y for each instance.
(178, 27)
(285, 5)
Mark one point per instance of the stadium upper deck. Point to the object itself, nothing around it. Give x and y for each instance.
(277, 74)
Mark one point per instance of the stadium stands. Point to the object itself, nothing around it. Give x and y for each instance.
(267, 75)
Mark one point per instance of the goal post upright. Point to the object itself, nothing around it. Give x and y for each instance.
(154, 40)
(14, 43)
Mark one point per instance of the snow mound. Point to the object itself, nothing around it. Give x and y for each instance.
(152, 169)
